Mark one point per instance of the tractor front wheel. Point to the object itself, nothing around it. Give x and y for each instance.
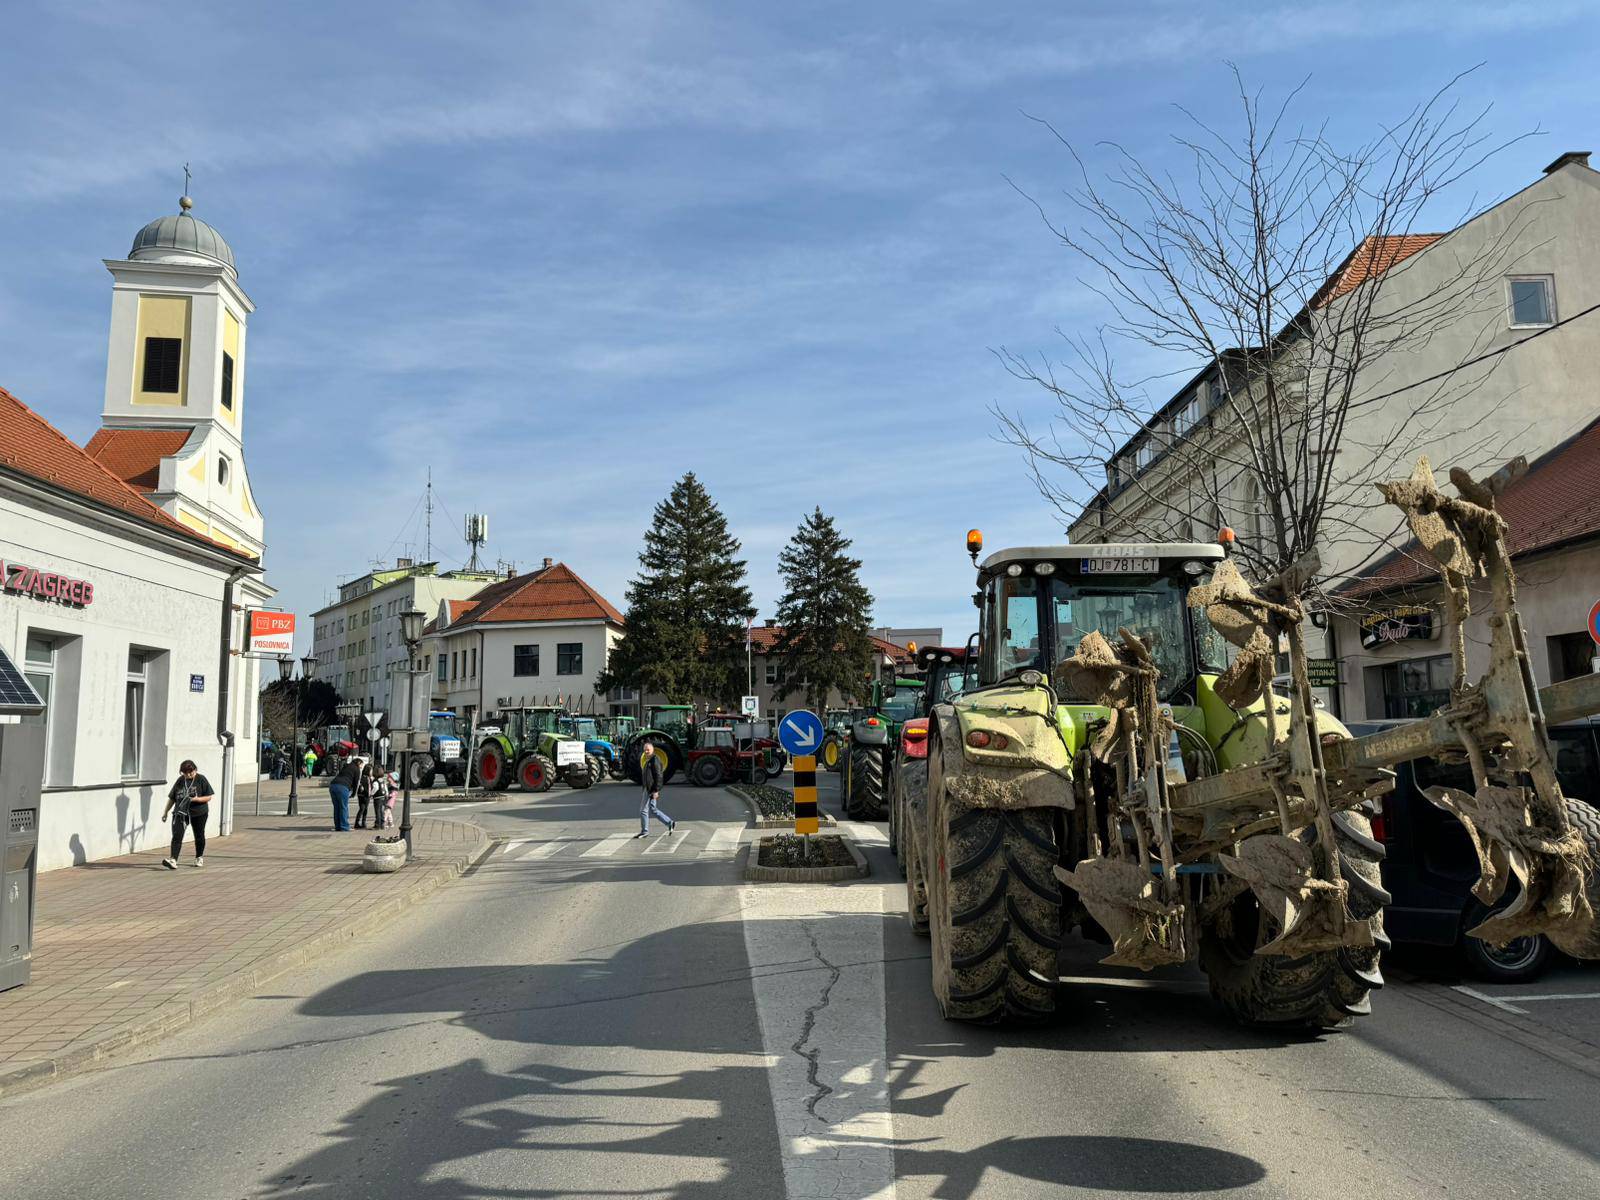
(597, 769)
(830, 753)
(420, 771)
(536, 773)
(706, 771)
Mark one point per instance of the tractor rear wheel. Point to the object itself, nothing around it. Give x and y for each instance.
(420, 771)
(916, 885)
(1324, 990)
(535, 773)
(492, 768)
(993, 906)
(865, 799)
(1583, 942)
(706, 771)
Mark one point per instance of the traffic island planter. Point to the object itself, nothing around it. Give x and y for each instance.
(832, 846)
(762, 799)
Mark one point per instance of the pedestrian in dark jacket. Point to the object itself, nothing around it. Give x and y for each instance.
(340, 788)
(190, 802)
(363, 797)
(652, 777)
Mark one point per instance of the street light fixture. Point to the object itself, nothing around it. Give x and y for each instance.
(411, 623)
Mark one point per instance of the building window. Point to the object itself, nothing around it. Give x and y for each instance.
(1571, 655)
(1417, 687)
(1532, 301)
(474, 674)
(772, 673)
(442, 665)
(525, 660)
(227, 380)
(163, 360)
(569, 658)
(39, 665)
(454, 669)
(133, 715)
(224, 470)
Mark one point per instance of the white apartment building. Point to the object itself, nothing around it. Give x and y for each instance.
(1532, 343)
(539, 638)
(357, 641)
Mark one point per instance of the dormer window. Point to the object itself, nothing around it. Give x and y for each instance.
(227, 380)
(163, 362)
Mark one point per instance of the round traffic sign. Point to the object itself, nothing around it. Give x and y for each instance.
(1594, 622)
(801, 732)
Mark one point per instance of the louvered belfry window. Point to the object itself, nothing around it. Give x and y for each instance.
(163, 360)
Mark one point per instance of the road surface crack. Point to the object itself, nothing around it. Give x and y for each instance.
(820, 1091)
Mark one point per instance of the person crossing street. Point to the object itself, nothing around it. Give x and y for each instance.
(652, 777)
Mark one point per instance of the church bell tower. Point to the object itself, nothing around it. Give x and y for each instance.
(173, 423)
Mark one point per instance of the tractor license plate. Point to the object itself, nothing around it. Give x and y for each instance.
(1121, 566)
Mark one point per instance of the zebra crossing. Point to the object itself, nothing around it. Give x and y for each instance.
(720, 841)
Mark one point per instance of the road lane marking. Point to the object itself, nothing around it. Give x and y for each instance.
(607, 846)
(1477, 995)
(667, 843)
(819, 990)
(724, 841)
(507, 847)
(543, 850)
(1557, 996)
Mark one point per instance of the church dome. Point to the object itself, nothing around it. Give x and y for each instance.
(183, 238)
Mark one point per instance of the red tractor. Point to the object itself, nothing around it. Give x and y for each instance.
(718, 756)
(756, 732)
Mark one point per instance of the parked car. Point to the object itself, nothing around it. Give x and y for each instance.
(1431, 867)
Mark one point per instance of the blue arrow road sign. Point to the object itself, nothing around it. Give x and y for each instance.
(800, 732)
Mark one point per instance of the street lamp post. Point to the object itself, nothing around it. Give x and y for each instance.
(308, 668)
(411, 623)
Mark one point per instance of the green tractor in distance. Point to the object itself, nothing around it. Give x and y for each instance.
(836, 724)
(671, 727)
(525, 745)
(869, 746)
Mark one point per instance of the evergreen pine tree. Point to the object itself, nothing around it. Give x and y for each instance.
(688, 605)
(825, 612)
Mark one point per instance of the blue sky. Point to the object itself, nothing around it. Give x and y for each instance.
(564, 252)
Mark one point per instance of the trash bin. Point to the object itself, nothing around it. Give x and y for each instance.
(21, 772)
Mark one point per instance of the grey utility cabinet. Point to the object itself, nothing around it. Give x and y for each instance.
(22, 743)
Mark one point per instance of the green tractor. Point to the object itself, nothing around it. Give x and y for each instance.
(525, 745)
(1128, 766)
(869, 743)
(836, 724)
(672, 728)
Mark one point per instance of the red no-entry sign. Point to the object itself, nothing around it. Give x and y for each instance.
(1594, 622)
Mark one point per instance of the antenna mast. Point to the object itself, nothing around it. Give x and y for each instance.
(427, 553)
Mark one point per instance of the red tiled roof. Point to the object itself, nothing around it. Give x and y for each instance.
(1371, 258)
(550, 594)
(764, 639)
(1557, 501)
(31, 446)
(134, 455)
(459, 608)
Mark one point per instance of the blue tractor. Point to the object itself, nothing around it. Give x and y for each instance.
(603, 755)
(447, 753)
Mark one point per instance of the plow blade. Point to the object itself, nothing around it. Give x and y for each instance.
(1549, 867)
(1308, 911)
(1123, 897)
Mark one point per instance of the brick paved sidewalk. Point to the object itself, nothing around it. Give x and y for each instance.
(126, 951)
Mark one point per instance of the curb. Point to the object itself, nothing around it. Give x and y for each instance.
(758, 874)
(759, 820)
(236, 987)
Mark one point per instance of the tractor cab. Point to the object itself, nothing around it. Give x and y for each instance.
(1039, 602)
(675, 720)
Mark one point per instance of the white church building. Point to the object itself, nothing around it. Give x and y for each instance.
(129, 563)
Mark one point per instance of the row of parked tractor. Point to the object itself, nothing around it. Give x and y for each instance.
(534, 747)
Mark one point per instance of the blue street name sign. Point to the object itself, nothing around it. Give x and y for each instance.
(800, 732)
(197, 683)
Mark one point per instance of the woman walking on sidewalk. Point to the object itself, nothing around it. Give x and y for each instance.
(191, 797)
(343, 784)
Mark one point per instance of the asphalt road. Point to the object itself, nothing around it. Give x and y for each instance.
(588, 1015)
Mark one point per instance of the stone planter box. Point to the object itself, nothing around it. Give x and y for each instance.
(749, 869)
(759, 820)
(382, 858)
